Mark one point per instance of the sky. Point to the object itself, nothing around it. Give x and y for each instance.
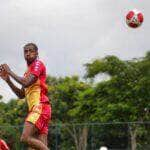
(69, 33)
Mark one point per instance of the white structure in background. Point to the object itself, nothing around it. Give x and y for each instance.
(103, 148)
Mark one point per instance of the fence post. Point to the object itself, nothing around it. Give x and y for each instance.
(58, 135)
(92, 136)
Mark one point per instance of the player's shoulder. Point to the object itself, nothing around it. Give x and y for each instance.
(38, 63)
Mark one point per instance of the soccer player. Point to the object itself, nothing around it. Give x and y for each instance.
(34, 89)
(3, 145)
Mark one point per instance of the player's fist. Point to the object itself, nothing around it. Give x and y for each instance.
(6, 68)
(3, 74)
(1, 68)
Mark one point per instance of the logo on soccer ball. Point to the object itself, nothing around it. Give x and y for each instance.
(134, 18)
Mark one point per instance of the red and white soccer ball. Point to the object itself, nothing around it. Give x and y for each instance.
(134, 18)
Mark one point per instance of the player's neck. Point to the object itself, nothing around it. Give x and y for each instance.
(29, 63)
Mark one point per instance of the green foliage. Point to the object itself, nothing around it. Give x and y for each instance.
(1, 97)
(123, 98)
(64, 93)
(11, 122)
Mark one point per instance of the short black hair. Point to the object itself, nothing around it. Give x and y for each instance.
(34, 45)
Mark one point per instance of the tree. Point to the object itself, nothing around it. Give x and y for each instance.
(64, 93)
(11, 121)
(125, 96)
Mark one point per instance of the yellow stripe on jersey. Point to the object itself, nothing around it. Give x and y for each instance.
(33, 98)
(33, 94)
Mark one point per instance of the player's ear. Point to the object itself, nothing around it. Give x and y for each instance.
(37, 54)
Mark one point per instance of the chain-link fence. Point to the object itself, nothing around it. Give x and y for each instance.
(87, 136)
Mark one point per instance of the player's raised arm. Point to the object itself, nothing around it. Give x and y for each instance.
(19, 92)
(24, 81)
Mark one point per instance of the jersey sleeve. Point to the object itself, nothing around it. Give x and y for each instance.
(3, 145)
(37, 68)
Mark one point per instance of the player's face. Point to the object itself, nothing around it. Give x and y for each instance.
(30, 54)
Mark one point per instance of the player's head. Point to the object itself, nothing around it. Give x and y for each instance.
(30, 52)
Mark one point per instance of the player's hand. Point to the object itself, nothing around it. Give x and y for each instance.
(6, 68)
(3, 74)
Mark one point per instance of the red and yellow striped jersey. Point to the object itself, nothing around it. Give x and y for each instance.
(36, 93)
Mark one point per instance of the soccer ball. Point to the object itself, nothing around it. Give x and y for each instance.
(103, 148)
(134, 18)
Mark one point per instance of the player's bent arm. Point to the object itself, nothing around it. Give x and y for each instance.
(19, 92)
(24, 81)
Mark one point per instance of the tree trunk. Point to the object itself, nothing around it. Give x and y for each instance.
(80, 137)
(132, 130)
(83, 139)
